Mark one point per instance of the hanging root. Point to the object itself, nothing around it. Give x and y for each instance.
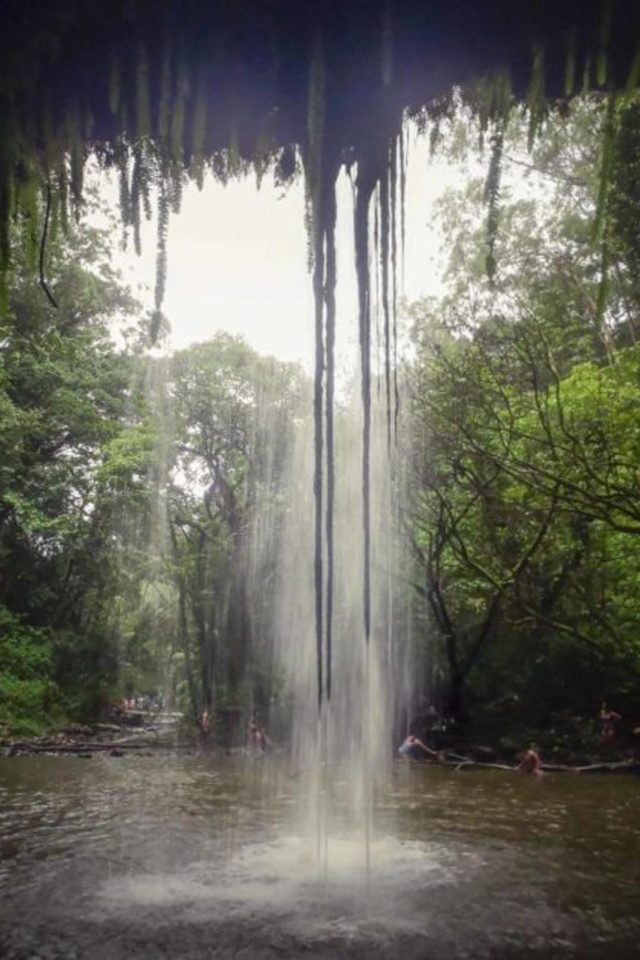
(43, 248)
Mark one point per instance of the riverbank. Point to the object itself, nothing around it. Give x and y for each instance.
(137, 731)
(166, 735)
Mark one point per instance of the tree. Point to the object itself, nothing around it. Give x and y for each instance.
(66, 407)
(524, 514)
(233, 413)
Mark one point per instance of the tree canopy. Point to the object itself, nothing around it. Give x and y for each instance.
(525, 487)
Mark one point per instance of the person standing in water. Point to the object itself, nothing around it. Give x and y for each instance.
(531, 762)
(414, 749)
(608, 721)
(258, 739)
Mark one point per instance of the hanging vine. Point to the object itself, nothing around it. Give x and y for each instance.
(150, 75)
(43, 249)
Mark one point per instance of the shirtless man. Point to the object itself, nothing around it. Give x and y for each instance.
(608, 720)
(414, 749)
(531, 762)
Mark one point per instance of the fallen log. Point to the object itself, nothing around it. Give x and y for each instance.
(620, 766)
(88, 747)
(458, 762)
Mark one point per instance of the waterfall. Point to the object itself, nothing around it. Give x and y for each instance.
(342, 747)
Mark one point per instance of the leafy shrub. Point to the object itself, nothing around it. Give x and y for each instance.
(28, 695)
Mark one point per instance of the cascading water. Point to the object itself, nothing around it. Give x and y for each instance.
(341, 747)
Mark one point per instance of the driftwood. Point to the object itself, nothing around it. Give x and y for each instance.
(468, 762)
(140, 742)
(620, 766)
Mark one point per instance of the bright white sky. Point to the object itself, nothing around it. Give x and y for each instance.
(237, 261)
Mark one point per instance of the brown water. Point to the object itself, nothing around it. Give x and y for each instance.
(193, 857)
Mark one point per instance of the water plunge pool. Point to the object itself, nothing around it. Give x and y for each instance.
(204, 857)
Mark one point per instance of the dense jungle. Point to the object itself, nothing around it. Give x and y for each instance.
(132, 480)
(319, 479)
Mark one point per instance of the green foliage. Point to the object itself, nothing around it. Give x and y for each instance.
(525, 490)
(492, 199)
(232, 414)
(28, 695)
(71, 461)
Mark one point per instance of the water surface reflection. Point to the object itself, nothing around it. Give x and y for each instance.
(194, 857)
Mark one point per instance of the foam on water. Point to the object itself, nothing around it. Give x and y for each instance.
(280, 882)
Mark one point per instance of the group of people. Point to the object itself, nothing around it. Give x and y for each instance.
(412, 748)
(144, 702)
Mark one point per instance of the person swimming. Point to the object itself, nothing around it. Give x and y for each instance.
(531, 762)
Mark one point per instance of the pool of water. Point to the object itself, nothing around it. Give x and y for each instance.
(189, 857)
